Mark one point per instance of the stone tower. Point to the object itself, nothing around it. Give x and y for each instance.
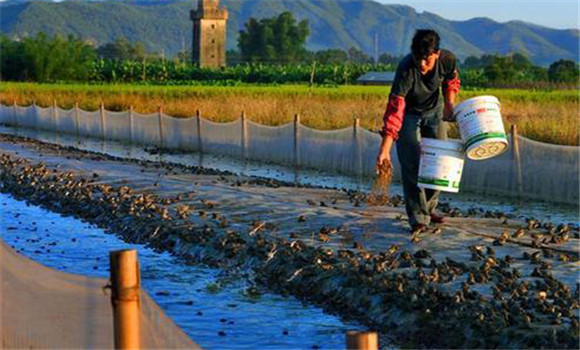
(209, 34)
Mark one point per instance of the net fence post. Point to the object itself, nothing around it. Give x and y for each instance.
(54, 116)
(102, 114)
(14, 114)
(35, 109)
(296, 141)
(244, 144)
(357, 147)
(76, 114)
(356, 340)
(198, 121)
(126, 298)
(131, 124)
(517, 160)
(160, 122)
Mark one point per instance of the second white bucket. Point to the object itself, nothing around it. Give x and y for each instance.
(481, 127)
(441, 164)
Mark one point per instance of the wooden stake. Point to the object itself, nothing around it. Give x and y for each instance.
(126, 298)
(362, 340)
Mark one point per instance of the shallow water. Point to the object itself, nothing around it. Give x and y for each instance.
(219, 303)
(463, 201)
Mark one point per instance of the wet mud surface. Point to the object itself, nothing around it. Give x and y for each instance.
(216, 309)
(485, 281)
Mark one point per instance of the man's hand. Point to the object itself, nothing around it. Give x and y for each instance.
(448, 110)
(383, 158)
(384, 152)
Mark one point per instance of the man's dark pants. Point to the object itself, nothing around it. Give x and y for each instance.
(419, 202)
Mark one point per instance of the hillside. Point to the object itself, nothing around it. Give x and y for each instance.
(165, 25)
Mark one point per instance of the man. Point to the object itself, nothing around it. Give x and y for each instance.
(416, 109)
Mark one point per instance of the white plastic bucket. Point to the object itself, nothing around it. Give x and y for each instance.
(441, 164)
(481, 127)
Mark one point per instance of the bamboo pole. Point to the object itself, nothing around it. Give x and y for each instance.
(516, 158)
(311, 82)
(362, 340)
(297, 141)
(126, 298)
(244, 144)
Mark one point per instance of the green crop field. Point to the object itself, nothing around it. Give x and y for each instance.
(548, 116)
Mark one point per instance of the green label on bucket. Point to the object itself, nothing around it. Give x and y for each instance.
(483, 136)
(436, 182)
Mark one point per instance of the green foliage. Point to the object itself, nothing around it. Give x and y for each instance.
(564, 71)
(13, 62)
(331, 56)
(45, 59)
(511, 70)
(357, 56)
(162, 71)
(122, 49)
(274, 40)
(473, 62)
(386, 58)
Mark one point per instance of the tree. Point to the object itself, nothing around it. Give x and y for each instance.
(509, 69)
(563, 71)
(122, 49)
(13, 60)
(233, 57)
(274, 40)
(521, 61)
(385, 58)
(45, 59)
(479, 62)
(50, 59)
(357, 56)
(470, 62)
(331, 56)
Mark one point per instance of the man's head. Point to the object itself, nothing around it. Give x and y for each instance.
(425, 49)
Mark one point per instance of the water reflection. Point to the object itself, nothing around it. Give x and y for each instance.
(202, 301)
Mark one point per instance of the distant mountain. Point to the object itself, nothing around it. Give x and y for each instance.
(165, 25)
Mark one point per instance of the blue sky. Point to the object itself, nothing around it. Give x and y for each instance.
(561, 14)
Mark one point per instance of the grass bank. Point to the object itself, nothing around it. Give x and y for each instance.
(548, 116)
